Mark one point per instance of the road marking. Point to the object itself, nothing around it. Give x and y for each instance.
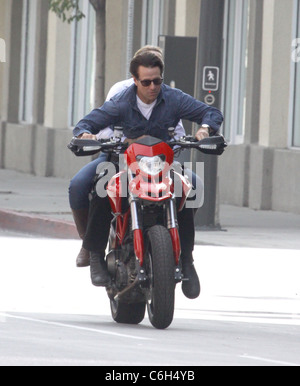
(269, 360)
(240, 316)
(5, 315)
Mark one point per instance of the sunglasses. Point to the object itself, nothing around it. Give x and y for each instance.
(147, 82)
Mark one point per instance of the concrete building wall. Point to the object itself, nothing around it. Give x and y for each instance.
(116, 35)
(5, 9)
(286, 181)
(275, 74)
(264, 172)
(57, 73)
(233, 175)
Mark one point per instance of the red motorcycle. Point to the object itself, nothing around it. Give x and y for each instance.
(143, 256)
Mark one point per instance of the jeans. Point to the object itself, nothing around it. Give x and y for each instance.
(81, 184)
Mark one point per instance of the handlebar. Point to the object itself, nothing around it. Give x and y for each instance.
(211, 145)
(82, 147)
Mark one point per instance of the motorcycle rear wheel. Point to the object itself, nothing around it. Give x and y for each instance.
(160, 265)
(129, 313)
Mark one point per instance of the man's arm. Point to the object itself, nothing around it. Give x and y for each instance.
(210, 117)
(97, 120)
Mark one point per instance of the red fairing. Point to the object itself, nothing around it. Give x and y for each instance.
(156, 187)
(151, 190)
(115, 193)
(137, 149)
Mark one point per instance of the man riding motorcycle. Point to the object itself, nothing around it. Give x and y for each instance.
(148, 107)
(81, 183)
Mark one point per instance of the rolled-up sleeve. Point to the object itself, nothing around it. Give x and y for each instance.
(199, 112)
(98, 119)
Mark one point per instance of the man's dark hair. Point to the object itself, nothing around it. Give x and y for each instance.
(146, 59)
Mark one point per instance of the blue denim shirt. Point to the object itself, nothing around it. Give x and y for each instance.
(171, 106)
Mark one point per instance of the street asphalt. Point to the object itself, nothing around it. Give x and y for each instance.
(40, 206)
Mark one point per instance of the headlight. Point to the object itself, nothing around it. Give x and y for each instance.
(151, 165)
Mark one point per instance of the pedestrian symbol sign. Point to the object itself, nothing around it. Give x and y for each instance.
(210, 78)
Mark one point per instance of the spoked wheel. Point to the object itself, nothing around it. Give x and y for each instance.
(132, 313)
(159, 261)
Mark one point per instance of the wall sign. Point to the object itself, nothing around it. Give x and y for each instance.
(210, 80)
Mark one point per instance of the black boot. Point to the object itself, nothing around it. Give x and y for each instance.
(99, 273)
(190, 287)
(80, 218)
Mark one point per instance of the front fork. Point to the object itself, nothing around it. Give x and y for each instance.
(138, 239)
(173, 229)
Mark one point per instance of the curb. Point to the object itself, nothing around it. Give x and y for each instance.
(39, 225)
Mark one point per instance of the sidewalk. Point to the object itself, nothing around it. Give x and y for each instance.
(39, 205)
(35, 205)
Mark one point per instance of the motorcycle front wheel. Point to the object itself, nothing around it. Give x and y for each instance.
(159, 262)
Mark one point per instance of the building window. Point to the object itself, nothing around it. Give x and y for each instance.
(152, 25)
(83, 65)
(295, 105)
(27, 61)
(2, 51)
(234, 69)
